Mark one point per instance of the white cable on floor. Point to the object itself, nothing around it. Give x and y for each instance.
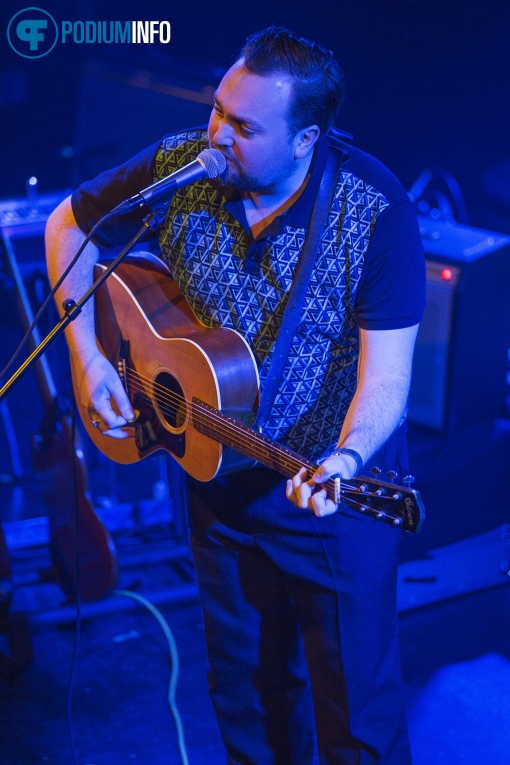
(174, 675)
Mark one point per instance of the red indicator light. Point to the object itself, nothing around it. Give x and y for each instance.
(446, 274)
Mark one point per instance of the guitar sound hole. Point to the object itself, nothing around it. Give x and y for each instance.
(170, 401)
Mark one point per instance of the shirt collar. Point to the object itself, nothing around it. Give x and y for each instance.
(298, 215)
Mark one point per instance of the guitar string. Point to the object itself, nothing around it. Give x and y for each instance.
(169, 395)
(174, 400)
(177, 400)
(346, 489)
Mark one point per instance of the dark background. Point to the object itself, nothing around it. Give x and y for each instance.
(427, 85)
(427, 88)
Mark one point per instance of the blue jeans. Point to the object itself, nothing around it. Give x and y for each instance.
(301, 626)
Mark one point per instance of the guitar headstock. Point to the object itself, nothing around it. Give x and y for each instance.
(400, 506)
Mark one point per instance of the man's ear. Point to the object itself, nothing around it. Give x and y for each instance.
(305, 141)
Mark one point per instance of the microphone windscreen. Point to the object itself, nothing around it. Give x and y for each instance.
(213, 162)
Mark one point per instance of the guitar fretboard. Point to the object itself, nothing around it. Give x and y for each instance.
(231, 432)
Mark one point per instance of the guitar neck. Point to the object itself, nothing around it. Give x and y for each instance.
(235, 434)
(231, 432)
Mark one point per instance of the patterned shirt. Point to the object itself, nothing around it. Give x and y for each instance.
(368, 272)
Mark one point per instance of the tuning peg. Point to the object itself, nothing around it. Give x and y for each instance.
(409, 480)
(375, 471)
(392, 476)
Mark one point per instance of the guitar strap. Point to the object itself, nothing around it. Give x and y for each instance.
(336, 156)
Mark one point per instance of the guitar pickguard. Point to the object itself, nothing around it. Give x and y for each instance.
(150, 433)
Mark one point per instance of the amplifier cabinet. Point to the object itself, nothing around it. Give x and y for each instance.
(461, 357)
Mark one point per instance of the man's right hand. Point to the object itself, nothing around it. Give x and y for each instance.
(103, 396)
(100, 389)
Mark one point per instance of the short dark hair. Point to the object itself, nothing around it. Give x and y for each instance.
(318, 81)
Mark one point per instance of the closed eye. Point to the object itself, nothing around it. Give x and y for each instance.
(246, 131)
(242, 127)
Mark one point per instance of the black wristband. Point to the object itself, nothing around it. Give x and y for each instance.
(356, 457)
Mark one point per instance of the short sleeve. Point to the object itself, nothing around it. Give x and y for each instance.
(391, 291)
(95, 198)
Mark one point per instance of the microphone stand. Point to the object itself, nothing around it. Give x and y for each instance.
(72, 309)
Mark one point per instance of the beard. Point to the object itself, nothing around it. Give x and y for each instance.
(234, 177)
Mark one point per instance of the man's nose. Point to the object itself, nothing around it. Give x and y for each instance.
(223, 135)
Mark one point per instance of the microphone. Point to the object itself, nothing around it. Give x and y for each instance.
(210, 163)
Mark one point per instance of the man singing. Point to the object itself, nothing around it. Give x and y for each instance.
(298, 593)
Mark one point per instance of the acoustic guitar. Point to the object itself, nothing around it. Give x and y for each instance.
(195, 391)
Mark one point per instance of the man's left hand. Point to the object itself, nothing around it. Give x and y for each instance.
(308, 494)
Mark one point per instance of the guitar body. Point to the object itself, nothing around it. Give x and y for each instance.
(146, 328)
(57, 464)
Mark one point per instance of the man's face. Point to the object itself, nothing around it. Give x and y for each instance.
(249, 126)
